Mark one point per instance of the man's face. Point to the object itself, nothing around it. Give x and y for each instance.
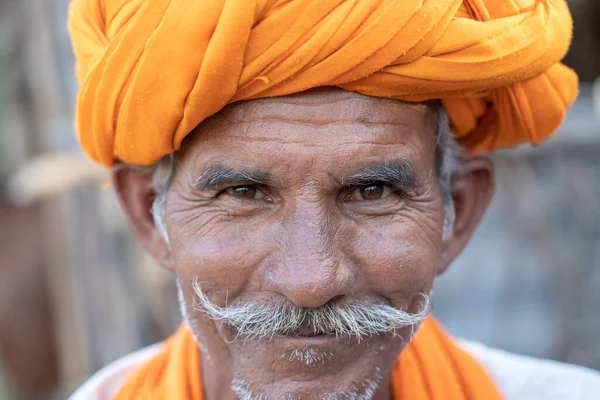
(318, 199)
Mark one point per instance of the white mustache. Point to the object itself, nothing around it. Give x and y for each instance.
(357, 319)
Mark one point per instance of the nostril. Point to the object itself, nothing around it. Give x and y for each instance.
(336, 299)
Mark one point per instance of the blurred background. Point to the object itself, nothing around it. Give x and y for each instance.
(76, 292)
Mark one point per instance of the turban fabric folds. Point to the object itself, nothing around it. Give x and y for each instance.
(152, 70)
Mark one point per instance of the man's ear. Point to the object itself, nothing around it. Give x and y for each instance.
(472, 192)
(133, 186)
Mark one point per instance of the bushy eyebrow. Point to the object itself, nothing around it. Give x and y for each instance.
(219, 175)
(399, 174)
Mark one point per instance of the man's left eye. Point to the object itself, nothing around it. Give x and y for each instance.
(245, 192)
(369, 192)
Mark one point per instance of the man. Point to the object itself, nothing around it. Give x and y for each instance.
(306, 184)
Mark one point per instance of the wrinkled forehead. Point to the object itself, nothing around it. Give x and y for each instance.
(328, 124)
(331, 105)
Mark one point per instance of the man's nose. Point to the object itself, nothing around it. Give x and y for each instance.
(311, 268)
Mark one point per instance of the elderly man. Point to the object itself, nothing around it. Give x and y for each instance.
(311, 166)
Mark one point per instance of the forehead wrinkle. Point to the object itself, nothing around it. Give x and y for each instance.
(278, 130)
(380, 135)
(363, 109)
(311, 121)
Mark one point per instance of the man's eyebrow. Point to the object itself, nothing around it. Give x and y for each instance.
(218, 175)
(399, 173)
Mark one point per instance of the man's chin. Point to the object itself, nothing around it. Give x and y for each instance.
(293, 367)
(362, 388)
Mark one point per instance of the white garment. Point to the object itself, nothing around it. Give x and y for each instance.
(517, 377)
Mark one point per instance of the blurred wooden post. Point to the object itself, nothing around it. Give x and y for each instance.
(36, 101)
(45, 86)
(80, 267)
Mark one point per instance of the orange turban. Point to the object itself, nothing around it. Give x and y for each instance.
(152, 70)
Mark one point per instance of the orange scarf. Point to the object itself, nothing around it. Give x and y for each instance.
(152, 70)
(432, 367)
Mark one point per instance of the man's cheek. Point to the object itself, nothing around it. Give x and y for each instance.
(399, 266)
(222, 262)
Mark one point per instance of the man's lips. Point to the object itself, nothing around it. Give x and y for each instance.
(309, 332)
(299, 333)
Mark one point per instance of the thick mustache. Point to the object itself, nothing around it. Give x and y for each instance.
(358, 319)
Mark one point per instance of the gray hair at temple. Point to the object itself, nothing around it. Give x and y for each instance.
(447, 164)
